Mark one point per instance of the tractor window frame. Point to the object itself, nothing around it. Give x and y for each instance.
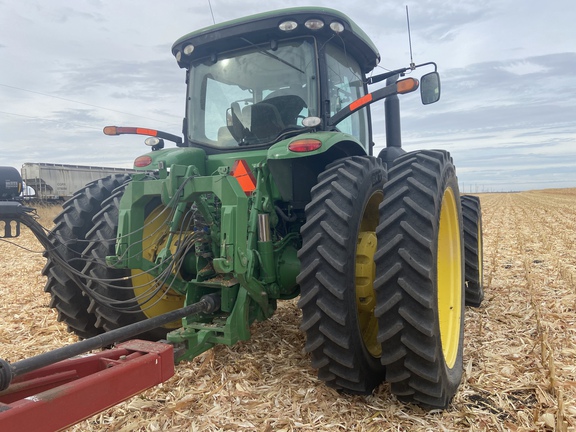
(206, 123)
(345, 83)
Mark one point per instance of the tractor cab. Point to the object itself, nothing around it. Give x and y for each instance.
(258, 80)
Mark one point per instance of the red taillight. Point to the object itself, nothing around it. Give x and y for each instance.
(241, 170)
(305, 145)
(142, 161)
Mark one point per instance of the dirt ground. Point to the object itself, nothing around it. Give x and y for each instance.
(519, 354)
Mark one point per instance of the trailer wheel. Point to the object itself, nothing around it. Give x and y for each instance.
(420, 279)
(68, 237)
(124, 296)
(337, 274)
(473, 251)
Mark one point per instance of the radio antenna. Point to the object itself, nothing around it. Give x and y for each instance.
(211, 12)
(412, 64)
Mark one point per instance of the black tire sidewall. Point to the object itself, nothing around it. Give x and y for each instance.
(473, 250)
(370, 184)
(69, 237)
(328, 273)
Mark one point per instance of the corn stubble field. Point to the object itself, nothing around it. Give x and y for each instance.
(519, 354)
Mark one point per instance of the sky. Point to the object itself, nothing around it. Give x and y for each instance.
(507, 113)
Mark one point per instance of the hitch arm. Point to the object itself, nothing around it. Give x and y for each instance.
(52, 391)
(65, 393)
(207, 304)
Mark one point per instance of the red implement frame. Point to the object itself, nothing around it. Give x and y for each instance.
(65, 393)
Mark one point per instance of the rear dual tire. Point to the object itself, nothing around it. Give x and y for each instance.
(84, 235)
(472, 217)
(68, 237)
(417, 295)
(420, 279)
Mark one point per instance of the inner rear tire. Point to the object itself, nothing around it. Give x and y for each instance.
(420, 279)
(337, 274)
(473, 250)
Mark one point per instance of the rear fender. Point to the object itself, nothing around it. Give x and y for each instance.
(294, 173)
(167, 157)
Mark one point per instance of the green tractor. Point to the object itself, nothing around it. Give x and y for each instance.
(273, 192)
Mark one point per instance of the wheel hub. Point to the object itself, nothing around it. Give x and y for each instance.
(365, 296)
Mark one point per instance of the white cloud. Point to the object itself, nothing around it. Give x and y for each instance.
(509, 90)
(525, 67)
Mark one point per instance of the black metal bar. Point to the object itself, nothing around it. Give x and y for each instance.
(392, 116)
(382, 77)
(11, 213)
(207, 304)
(384, 92)
(12, 209)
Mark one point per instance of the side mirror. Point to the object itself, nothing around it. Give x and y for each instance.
(430, 88)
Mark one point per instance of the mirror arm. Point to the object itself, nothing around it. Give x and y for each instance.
(382, 77)
(426, 64)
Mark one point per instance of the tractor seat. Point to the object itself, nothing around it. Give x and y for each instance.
(289, 107)
(264, 120)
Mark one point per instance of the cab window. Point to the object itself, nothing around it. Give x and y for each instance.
(345, 85)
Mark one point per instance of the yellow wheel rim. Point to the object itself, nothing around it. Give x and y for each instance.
(365, 273)
(449, 268)
(154, 237)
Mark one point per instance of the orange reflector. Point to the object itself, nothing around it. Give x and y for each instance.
(407, 85)
(305, 145)
(144, 131)
(241, 170)
(142, 161)
(358, 103)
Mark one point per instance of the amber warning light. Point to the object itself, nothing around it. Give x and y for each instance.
(407, 85)
(117, 130)
(121, 130)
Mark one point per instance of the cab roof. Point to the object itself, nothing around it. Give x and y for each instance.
(264, 27)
